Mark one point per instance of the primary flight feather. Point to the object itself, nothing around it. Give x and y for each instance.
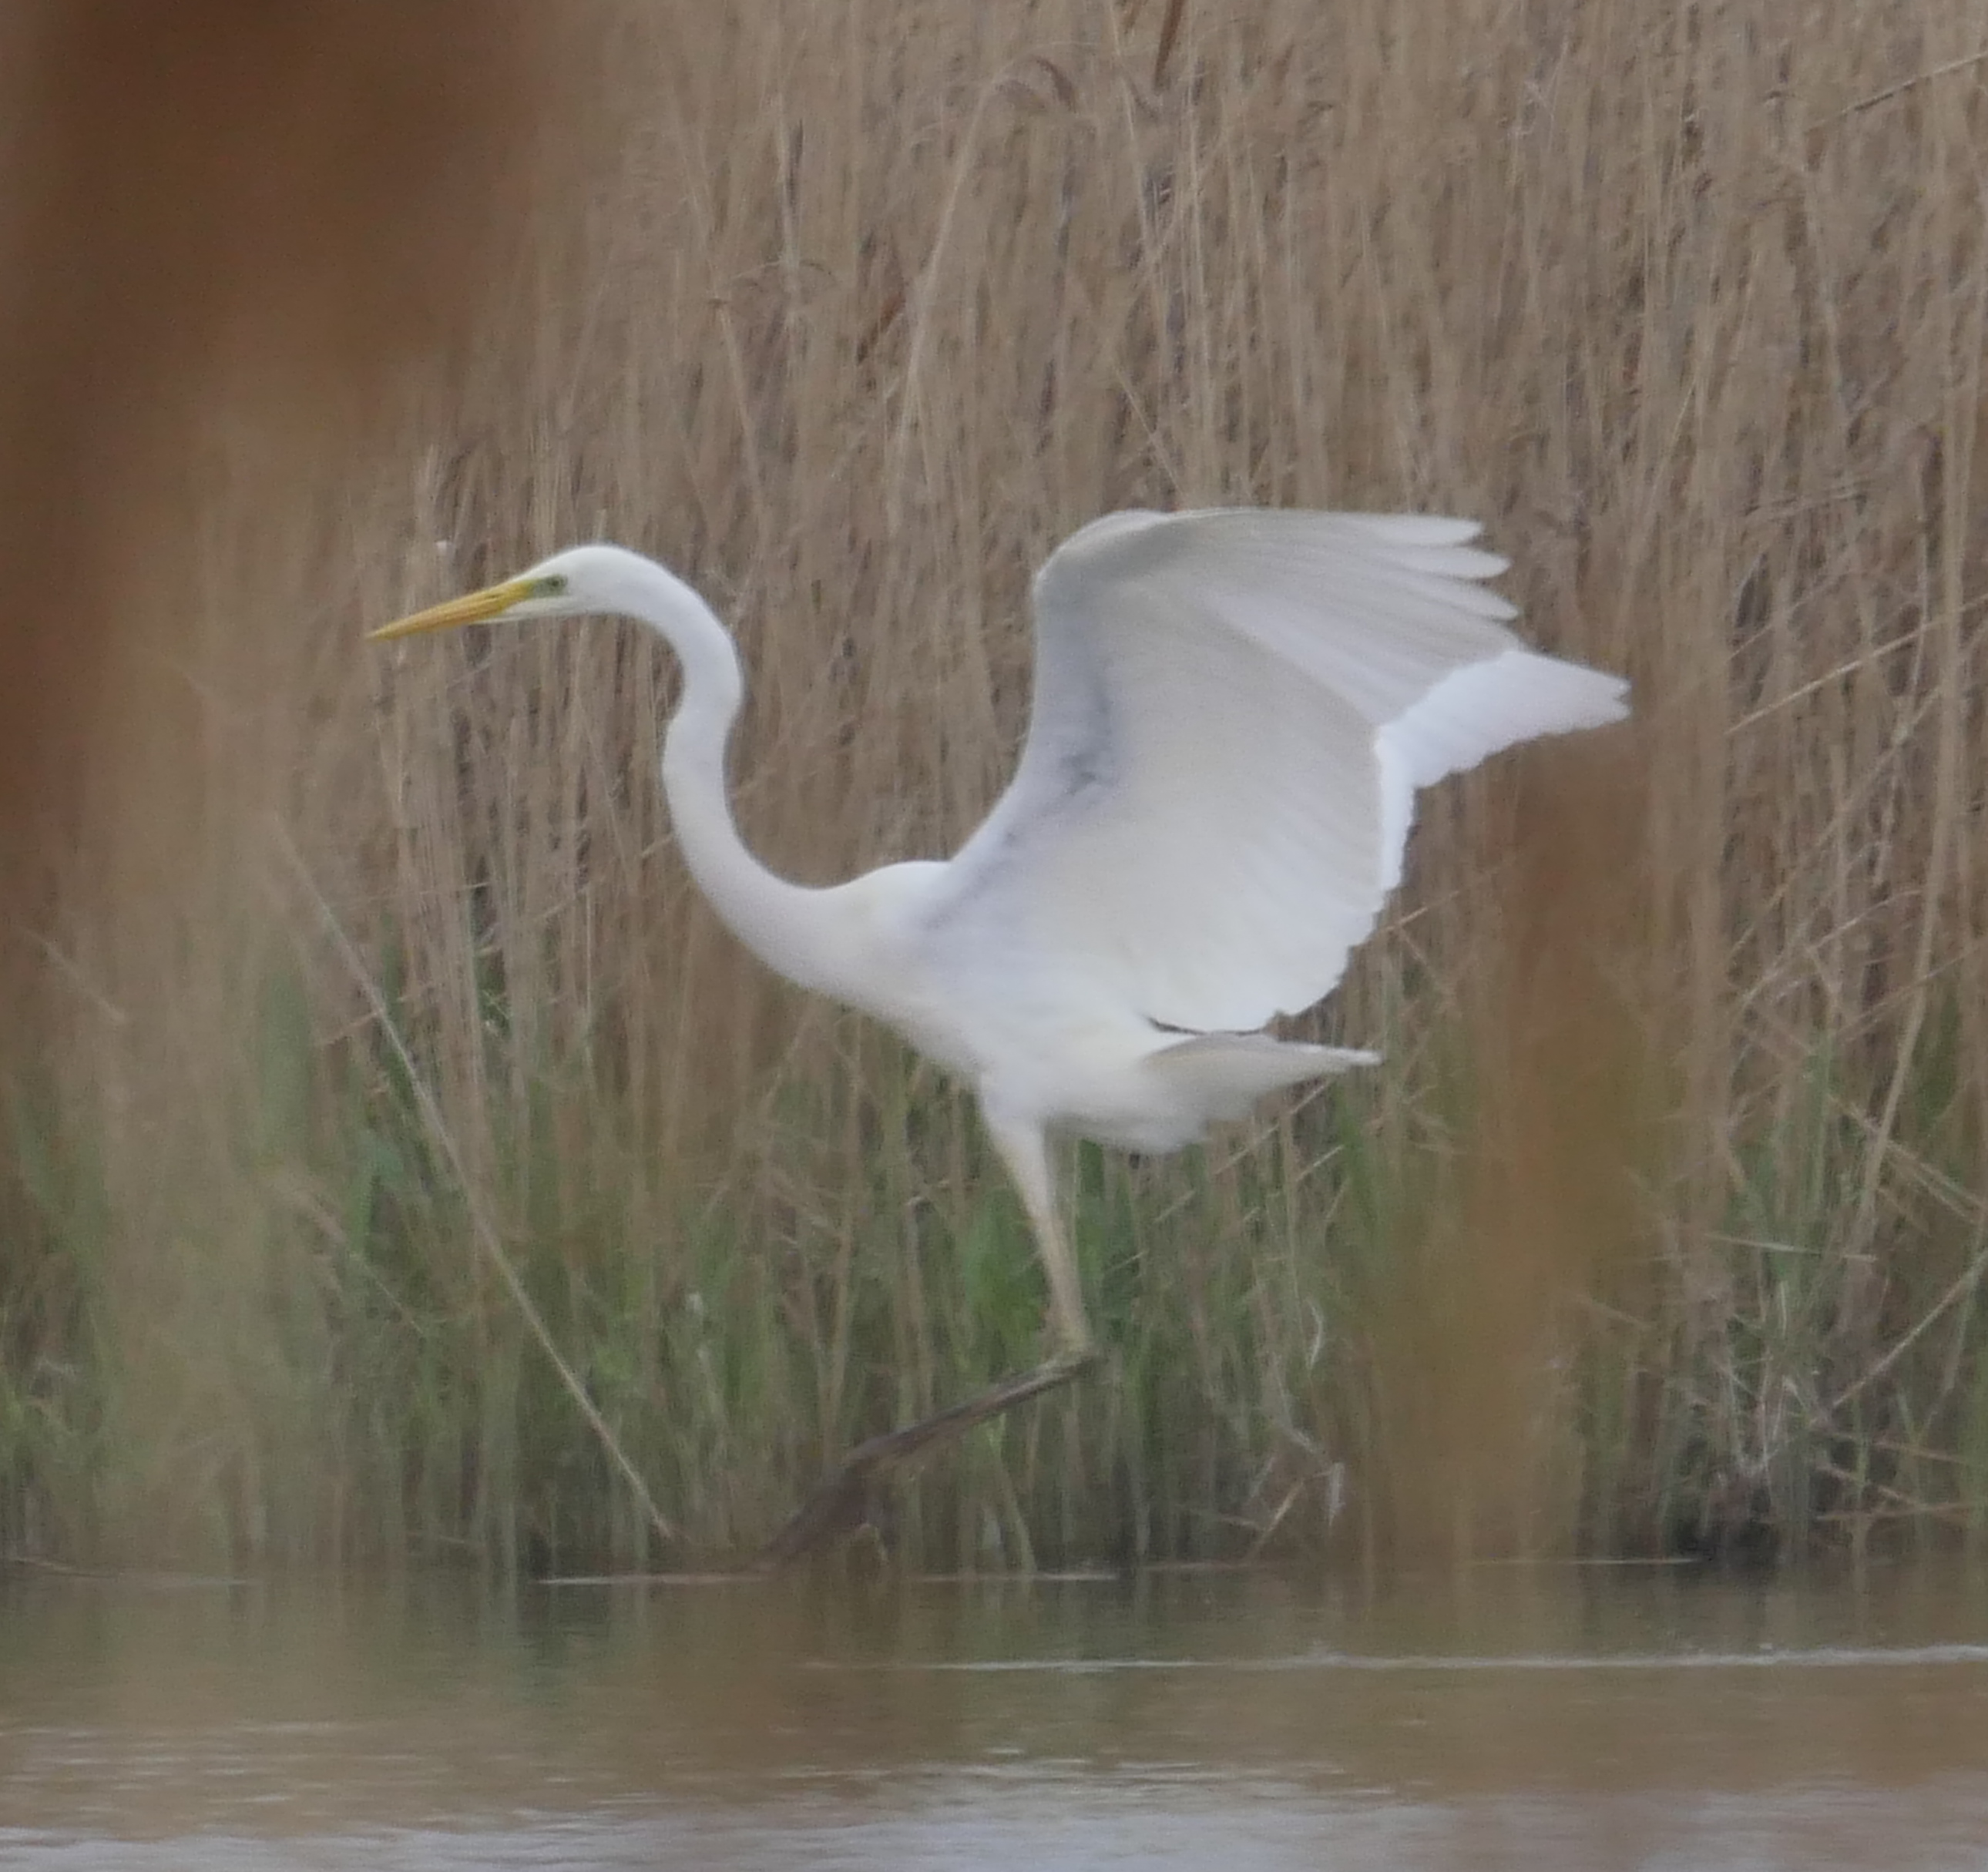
(1233, 710)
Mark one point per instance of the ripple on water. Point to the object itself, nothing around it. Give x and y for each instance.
(1541, 1721)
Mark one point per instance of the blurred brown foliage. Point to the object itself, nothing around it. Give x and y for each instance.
(315, 194)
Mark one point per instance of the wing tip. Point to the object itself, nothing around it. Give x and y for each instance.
(1418, 529)
(1437, 544)
(1608, 694)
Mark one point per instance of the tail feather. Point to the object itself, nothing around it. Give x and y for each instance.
(1223, 1075)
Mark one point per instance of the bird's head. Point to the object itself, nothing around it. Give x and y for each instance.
(581, 580)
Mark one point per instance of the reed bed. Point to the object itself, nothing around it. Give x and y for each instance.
(1662, 1229)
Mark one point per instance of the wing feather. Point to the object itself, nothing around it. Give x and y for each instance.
(1232, 711)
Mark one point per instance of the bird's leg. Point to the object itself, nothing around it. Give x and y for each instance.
(1025, 1151)
(838, 1502)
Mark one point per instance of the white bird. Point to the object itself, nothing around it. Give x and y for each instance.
(1233, 710)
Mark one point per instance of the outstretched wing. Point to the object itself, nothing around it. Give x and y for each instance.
(1232, 711)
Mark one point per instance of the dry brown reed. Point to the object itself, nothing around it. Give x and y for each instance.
(1664, 1221)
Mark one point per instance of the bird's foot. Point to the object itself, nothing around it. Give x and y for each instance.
(838, 1503)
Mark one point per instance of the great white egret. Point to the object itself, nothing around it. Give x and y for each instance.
(1233, 709)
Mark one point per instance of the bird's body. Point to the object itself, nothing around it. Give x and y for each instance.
(1232, 712)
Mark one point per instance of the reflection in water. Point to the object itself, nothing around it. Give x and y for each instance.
(1562, 1717)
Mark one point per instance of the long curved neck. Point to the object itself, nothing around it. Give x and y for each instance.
(789, 927)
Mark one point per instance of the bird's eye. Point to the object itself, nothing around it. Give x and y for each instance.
(552, 586)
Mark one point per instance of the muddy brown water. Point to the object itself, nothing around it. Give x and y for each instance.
(1575, 1717)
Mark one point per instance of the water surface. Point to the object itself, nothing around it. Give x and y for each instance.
(1577, 1718)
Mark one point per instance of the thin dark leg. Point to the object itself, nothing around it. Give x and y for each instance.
(838, 1506)
(839, 1502)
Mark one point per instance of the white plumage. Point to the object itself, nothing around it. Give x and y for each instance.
(1233, 710)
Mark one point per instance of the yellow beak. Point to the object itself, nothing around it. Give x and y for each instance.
(476, 608)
